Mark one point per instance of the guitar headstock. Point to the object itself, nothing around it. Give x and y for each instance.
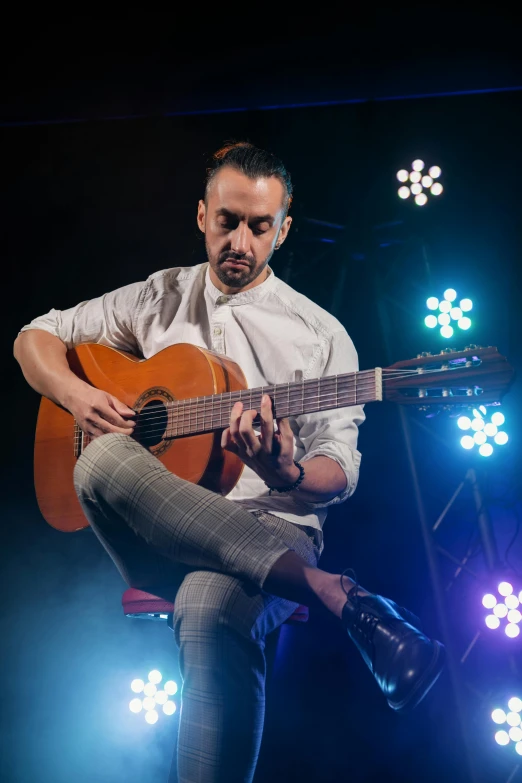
(473, 376)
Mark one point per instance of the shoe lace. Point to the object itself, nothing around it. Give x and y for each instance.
(364, 622)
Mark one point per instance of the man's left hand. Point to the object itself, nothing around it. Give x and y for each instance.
(271, 453)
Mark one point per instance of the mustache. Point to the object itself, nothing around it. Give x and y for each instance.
(229, 255)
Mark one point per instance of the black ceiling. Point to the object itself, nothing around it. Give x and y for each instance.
(157, 63)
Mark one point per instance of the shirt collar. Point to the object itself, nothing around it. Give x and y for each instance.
(254, 294)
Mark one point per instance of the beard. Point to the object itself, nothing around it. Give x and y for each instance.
(240, 277)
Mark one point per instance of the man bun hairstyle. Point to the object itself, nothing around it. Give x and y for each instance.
(253, 163)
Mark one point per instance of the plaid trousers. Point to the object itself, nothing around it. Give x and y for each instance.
(177, 539)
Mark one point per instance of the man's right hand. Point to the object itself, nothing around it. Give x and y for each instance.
(98, 412)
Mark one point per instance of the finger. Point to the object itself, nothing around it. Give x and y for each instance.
(120, 407)
(227, 442)
(235, 417)
(283, 438)
(247, 435)
(109, 415)
(267, 423)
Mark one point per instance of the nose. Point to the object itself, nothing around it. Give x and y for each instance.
(240, 240)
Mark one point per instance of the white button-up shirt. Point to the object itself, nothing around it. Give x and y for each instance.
(274, 333)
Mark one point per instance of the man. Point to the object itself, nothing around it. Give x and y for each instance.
(238, 564)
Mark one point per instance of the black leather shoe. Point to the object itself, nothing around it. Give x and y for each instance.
(402, 659)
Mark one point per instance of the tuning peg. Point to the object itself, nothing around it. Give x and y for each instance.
(470, 347)
(424, 353)
(447, 350)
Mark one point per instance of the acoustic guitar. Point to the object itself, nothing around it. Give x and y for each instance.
(183, 397)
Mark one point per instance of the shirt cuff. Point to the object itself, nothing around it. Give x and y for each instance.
(352, 476)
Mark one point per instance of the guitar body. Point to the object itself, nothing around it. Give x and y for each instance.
(180, 372)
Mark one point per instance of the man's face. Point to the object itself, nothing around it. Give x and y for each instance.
(243, 225)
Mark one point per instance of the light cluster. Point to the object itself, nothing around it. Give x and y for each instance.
(420, 185)
(512, 720)
(485, 433)
(153, 697)
(504, 606)
(445, 311)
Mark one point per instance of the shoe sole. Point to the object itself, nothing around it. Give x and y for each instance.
(424, 685)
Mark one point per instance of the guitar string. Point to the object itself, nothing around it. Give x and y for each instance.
(182, 409)
(199, 408)
(239, 395)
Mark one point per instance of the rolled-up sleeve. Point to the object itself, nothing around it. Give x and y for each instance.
(334, 433)
(109, 320)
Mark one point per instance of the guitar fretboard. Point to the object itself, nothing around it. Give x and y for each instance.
(204, 414)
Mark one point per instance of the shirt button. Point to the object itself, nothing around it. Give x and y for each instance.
(217, 330)
(222, 300)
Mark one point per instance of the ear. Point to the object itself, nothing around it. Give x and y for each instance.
(201, 215)
(283, 231)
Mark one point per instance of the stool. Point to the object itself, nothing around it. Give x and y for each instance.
(146, 606)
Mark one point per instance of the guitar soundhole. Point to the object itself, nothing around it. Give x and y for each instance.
(153, 419)
(152, 423)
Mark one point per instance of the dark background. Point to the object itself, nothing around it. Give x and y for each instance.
(106, 129)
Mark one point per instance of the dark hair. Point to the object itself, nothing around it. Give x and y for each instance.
(254, 163)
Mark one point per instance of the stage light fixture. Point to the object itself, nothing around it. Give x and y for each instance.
(153, 696)
(483, 433)
(504, 606)
(509, 718)
(446, 310)
(422, 182)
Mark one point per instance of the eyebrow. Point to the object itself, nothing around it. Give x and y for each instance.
(258, 219)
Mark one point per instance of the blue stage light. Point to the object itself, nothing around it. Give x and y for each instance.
(447, 314)
(481, 432)
(153, 696)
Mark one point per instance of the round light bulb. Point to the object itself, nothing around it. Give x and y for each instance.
(417, 165)
(505, 588)
(466, 305)
(436, 189)
(501, 438)
(512, 630)
(498, 716)
(446, 331)
(137, 685)
(432, 303)
(155, 676)
(515, 704)
(498, 418)
(445, 306)
(402, 175)
(431, 322)
(490, 429)
(421, 199)
(403, 192)
(415, 176)
(456, 313)
(416, 188)
(502, 737)
(444, 319)
(135, 705)
(486, 449)
(426, 181)
(151, 716)
(477, 424)
(435, 171)
(170, 687)
(489, 601)
(169, 708)
(464, 423)
(492, 621)
(464, 322)
(467, 442)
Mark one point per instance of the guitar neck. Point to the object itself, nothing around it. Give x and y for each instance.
(204, 414)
